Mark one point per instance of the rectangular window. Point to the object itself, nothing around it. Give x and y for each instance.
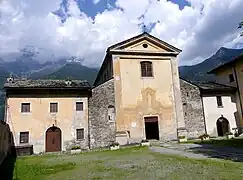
(146, 69)
(219, 101)
(80, 134)
(24, 137)
(231, 78)
(79, 106)
(25, 107)
(53, 107)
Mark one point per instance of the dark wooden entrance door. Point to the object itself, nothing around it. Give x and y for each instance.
(222, 126)
(151, 128)
(53, 139)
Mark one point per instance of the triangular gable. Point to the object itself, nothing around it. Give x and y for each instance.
(136, 44)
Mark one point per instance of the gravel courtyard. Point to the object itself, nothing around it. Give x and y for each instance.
(129, 163)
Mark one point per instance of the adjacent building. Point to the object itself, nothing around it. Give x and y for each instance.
(50, 115)
(209, 108)
(231, 73)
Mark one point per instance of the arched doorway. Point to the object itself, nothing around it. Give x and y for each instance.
(222, 126)
(53, 139)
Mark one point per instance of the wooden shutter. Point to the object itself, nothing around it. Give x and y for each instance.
(24, 137)
(53, 107)
(25, 107)
(80, 134)
(79, 106)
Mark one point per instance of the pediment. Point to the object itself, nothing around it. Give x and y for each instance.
(144, 43)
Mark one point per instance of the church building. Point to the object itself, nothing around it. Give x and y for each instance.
(135, 96)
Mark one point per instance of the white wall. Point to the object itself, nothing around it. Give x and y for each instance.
(212, 113)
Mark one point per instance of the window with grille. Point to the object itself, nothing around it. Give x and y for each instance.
(79, 106)
(53, 107)
(24, 137)
(231, 78)
(80, 134)
(25, 107)
(146, 69)
(219, 101)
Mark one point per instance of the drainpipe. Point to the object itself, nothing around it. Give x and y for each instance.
(238, 89)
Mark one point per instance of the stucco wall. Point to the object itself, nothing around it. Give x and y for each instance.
(223, 77)
(39, 119)
(138, 97)
(213, 113)
(193, 109)
(102, 130)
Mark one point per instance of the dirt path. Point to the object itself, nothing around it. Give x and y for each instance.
(201, 151)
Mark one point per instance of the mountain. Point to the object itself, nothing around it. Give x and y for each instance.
(74, 70)
(3, 75)
(26, 65)
(199, 71)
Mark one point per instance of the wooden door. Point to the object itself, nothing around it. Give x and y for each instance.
(53, 139)
(151, 128)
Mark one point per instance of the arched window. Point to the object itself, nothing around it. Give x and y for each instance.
(111, 113)
(146, 69)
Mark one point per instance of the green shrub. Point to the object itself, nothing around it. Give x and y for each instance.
(75, 147)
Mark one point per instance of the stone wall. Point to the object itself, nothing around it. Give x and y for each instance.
(193, 109)
(102, 127)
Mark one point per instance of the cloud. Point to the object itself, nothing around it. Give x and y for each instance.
(96, 1)
(199, 30)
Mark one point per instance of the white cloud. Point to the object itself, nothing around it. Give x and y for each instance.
(96, 1)
(199, 30)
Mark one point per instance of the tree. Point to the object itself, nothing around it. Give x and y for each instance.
(241, 26)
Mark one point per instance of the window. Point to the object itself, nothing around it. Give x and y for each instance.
(219, 101)
(79, 106)
(80, 134)
(231, 78)
(24, 137)
(53, 107)
(25, 107)
(111, 113)
(146, 69)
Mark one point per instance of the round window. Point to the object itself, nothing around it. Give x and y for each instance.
(145, 45)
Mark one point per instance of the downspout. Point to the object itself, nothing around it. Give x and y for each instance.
(238, 90)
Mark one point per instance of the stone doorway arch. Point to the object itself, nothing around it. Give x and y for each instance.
(222, 126)
(53, 139)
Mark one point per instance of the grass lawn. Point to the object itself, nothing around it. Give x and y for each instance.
(130, 163)
(237, 143)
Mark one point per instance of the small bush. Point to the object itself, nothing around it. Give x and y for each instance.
(144, 141)
(204, 136)
(114, 144)
(75, 147)
(181, 137)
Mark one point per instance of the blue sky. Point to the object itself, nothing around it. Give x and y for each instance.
(91, 9)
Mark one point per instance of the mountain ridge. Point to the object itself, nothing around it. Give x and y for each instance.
(26, 66)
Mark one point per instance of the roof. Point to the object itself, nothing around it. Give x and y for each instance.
(144, 34)
(230, 63)
(53, 84)
(214, 86)
(209, 85)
